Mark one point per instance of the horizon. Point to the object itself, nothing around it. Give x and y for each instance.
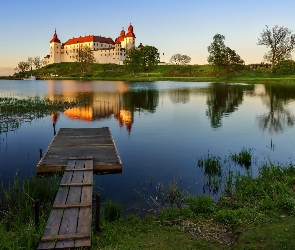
(185, 28)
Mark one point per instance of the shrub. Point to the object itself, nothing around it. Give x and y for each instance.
(174, 213)
(202, 205)
(228, 218)
(286, 67)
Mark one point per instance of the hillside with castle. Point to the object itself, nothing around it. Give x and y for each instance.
(105, 50)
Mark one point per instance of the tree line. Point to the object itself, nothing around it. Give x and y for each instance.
(226, 61)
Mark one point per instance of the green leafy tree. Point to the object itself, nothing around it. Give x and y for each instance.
(223, 58)
(142, 59)
(280, 41)
(84, 56)
(133, 60)
(150, 57)
(286, 67)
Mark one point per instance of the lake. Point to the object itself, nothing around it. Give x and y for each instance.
(161, 129)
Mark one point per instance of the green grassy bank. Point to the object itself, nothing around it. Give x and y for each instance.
(252, 213)
(198, 73)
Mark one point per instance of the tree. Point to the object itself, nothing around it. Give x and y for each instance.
(22, 67)
(150, 57)
(133, 59)
(180, 59)
(175, 59)
(30, 62)
(142, 59)
(222, 57)
(280, 41)
(38, 62)
(85, 57)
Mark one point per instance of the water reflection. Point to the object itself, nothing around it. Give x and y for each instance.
(180, 95)
(222, 100)
(278, 117)
(103, 101)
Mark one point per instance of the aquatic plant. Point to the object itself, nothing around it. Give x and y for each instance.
(14, 111)
(243, 158)
(211, 164)
(111, 211)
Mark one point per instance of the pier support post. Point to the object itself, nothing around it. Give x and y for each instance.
(97, 212)
(37, 213)
(54, 132)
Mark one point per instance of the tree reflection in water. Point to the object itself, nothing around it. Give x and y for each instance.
(278, 117)
(222, 100)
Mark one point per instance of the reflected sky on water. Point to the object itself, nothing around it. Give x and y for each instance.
(161, 129)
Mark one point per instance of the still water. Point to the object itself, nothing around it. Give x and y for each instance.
(161, 129)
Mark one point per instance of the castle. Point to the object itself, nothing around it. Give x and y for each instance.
(105, 50)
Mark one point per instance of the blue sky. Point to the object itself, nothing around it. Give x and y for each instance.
(185, 27)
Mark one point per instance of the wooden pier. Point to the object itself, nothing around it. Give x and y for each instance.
(69, 223)
(78, 153)
(80, 142)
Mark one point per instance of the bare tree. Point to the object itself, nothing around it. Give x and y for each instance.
(175, 59)
(280, 41)
(22, 67)
(37, 62)
(30, 62)
(84, 56)
(180, 59)
(184, 59)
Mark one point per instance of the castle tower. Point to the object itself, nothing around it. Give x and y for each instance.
(55, 49)
(129, 38)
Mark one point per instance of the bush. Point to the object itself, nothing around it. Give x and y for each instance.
(286, 67)
(202, 205)
(228, 218)
(174, 213)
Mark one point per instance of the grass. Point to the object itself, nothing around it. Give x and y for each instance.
(17, 226)
(258, 213)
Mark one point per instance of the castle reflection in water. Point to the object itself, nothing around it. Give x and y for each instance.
(97, 101)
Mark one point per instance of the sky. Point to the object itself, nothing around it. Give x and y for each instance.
(173, 26)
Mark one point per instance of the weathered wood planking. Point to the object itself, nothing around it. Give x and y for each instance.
(80, 142)
(69, 223)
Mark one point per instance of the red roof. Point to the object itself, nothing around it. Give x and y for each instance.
(130, 31)
(86, 39)
(55, 38)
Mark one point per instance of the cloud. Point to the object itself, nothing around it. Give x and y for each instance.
(5, 71)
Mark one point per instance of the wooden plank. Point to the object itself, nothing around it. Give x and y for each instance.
(69, 222)
(75, 184)
(72, 170)
(81, 158)
(89, 204)
(66, 237)
(84, 226)
(51, 228)
(68, 226)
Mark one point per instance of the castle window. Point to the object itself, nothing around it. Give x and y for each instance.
(70, 56)
(73, 50)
